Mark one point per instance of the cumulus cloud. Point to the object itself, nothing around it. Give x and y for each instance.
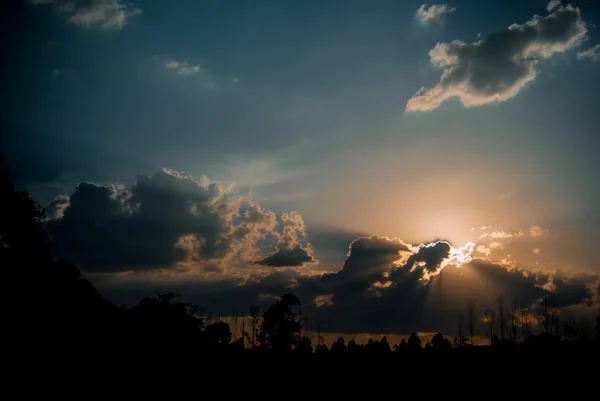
(499, 66)
(289, 250)
(107, 14)
(170, 221)
(434, 12)
(593, 54)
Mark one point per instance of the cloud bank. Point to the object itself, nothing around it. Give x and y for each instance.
(434, 12)
(169, 232)
(169, 221)
(498, 67)
(106, 14)
(381, 288)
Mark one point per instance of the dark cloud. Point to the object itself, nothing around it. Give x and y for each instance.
(350, 301)
(296, 256)
(369, 257)
(57, 207)
(496, 68)
(430, 256)
(169, 221)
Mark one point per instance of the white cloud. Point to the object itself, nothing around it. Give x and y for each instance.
(593, 53)
(434, 12)
(107, 14)
(552, 5)
(496, 68)
(182, 68)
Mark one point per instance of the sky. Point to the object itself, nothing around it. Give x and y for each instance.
(386, 161)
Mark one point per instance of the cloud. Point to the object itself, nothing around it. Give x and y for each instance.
(434, 12)
(289, 250)
(593, 54)
(56, 208)
(552, 5)
(499, 234)
(377, 290)
(288, 257)
(106, 14)
(257, 172)
(169, 222)
(536, 231)
(323, 300)
(498, 67)
(170, 232)
(182, 68)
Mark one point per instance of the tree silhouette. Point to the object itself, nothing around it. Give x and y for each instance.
(338, 346)
(384, 345)
(304, 346)
(413, 343)
(438, 342)
(281, 328)
(471, 321)
(460, 340)
(400, 347)
(488, 316)
(353, 347)
(217, 334)
(68, 309)
(321, 349)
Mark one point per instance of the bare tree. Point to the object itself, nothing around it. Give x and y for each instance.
(235, 327)
(501, 310)
(460, 340)
(254, 326)
(548, 316)
(488, 316)
(245, 334)
(471, 314)
(320, 339)
(525, 318)
(513, 322)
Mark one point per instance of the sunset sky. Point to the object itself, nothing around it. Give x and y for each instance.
(386, 161)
